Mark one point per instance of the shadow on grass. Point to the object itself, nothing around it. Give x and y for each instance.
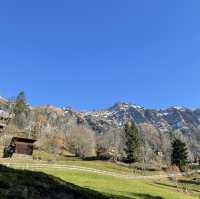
(23, 184)
(146, 196)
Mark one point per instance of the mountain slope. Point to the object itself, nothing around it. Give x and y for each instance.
(174, 120)
(155, 125)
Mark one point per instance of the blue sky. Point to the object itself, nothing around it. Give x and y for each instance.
(91, 54)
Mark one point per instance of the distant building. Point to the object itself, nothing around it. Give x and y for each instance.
(4, 118)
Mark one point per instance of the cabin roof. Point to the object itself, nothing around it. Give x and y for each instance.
(25, 140)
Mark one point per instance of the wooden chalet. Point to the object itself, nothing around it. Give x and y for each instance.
(19, 145)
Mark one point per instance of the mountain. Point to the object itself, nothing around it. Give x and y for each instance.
(170, 119)
(155, 125)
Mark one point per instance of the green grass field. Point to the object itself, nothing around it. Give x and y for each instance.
(141, 189)
(70, 159)
(96, 164)
(119, 187)
(24, 184)
(109, 166)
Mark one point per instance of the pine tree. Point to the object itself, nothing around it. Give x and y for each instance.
(132, 142)
(179, 153)
(21, 111)
(20, 104)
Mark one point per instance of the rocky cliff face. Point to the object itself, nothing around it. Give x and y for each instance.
(171, 119)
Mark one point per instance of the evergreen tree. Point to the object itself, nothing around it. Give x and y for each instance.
(132, 142)
(179, 153)
(20, 104)
(21, 111)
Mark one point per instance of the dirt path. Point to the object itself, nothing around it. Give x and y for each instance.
(79, 168)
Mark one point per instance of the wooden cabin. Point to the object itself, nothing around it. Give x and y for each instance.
(19, 145)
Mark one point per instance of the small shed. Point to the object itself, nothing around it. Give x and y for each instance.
(20, 145)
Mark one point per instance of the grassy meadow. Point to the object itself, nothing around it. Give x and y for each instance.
(140, 189)
(107, 186)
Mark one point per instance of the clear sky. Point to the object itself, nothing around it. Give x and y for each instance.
(90, 54)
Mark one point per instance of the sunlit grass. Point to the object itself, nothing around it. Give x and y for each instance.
(125, 187)
(141, 189)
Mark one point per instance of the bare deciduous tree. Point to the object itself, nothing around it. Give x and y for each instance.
(81, 141)
(165, 147)
(110, 144)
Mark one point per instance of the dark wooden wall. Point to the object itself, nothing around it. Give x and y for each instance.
(24, 148)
